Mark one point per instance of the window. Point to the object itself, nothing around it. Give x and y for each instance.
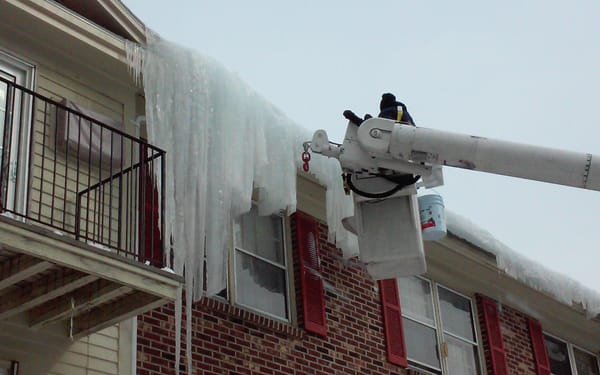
(14, 114)
(438, 328)
(585, 363)
(9, 367)
(566, 359)
(260, 273)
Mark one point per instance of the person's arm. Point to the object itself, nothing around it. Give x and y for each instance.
(352, 117)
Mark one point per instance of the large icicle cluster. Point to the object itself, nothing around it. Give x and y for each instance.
(222, 140)
(533, 274)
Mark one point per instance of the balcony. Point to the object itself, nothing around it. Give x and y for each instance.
(81, 219)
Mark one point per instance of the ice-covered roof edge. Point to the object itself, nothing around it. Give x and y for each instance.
(232, 135)
(216, 83)
(560, 287)
(222, 140)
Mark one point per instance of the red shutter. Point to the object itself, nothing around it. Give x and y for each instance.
(313, 299)
(392, 320)
(542, 364)
(494, 336)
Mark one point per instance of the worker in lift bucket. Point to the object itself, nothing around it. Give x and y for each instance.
(389, 108)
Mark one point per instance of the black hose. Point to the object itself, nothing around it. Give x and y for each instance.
(394, 190)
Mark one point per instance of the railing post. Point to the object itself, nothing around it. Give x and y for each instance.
(30, 156)
(5, 161)
(141, 203)
(77, 215)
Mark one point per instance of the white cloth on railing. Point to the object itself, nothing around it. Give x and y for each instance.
(93, 142)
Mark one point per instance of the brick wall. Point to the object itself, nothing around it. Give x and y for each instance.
(517, 343)
(231, 340)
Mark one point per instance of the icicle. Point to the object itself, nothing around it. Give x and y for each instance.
(71, 318)
(178, 305)
(134, 54)
(233, 139)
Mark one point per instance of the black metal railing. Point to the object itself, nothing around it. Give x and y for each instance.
(66, 168)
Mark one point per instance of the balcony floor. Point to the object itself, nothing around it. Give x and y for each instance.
(47, 279)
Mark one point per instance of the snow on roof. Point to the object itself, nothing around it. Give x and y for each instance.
(533, 274)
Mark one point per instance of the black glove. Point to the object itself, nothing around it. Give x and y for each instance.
(353, 118)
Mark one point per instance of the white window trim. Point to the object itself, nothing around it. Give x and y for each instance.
(20, 63)
(473, 316)
(288, 268)
(439, 328)
(571, 353)
(435, 327)
(13, 61)
(573, 346)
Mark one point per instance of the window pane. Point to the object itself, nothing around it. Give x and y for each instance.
(415, 299)
(260, 285)
(3, 104)
(421, 343)
(558, 355)
(586, 363)
(462, 357)
(3, 91)
(260, 235)
(456, 314)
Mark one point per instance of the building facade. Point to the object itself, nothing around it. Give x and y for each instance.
(81, 285)
(74, 203)
(325, 314)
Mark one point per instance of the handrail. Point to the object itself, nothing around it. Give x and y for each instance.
(121, 173)
(65, 170)
(82, 115)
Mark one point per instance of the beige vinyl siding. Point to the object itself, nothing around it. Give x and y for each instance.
(59, 174)
(310, 195)
(93, 355)
(96, 78)
(97, 353)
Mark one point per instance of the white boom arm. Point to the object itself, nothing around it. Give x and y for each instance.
(383, 143)
(434, 147)
(387, 225)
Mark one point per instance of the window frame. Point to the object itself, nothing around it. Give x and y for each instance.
(435, 327)
(571, 353)
(231, 294)
(24, 73)
(439, 329)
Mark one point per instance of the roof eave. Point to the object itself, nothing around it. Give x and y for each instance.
(125, 17)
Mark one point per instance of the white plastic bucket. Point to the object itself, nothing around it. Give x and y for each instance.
(433, 217)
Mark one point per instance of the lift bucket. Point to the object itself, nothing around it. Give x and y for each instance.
(433, 217)
(389, 236)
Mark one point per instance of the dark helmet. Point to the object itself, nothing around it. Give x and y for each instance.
(388, 100)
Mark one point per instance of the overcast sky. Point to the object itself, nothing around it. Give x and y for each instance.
(524, 71)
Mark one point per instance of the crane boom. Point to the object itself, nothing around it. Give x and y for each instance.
(377, 155)
(385, 139)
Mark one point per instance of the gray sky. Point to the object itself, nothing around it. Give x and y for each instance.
(524, 71)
